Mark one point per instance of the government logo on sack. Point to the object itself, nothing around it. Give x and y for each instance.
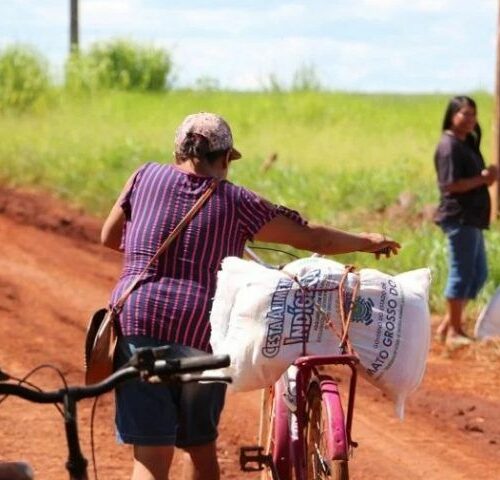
(362, 310)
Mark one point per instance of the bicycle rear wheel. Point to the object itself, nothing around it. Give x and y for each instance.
(326, 446)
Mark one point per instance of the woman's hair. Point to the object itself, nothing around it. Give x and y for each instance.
(455, 105)
(195, 146)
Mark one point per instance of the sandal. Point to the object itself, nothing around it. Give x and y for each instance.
(457, 341)
(440, 337)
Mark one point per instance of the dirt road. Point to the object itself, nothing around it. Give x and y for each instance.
(53, 275)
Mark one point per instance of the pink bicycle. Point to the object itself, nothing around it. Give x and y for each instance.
(303, 428)
(304, 433)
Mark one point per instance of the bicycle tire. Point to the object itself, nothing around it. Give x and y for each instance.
(280, 436)
(325, 440)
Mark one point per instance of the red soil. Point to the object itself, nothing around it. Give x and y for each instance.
(53, 274)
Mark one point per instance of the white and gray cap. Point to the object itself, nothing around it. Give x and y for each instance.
(211, 126)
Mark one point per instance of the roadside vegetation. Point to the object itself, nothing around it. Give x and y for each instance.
(118, 64)
(355, 161)
(24, 77)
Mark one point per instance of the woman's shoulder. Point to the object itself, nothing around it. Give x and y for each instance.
(237, 190)
(152, 165)
(229, 191)
(447, 139)
(159, 170)
(153, 173)
(448, 144)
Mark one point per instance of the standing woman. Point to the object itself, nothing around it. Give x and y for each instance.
(463, 212)
(172, 305)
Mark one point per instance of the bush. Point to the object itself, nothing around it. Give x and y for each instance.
(272, 84)
(205, 83)
(81, 73)
(24, 77)
(305, 79)
(119, 64)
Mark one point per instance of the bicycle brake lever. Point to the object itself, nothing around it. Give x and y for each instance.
(160, 353)
(143, 359)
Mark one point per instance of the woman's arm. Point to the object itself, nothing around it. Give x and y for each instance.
(323, 239)
(487, 177)
(111, 232)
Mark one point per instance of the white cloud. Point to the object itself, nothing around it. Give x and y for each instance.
(399, 6)
(392, 9)
(247, 64)
(356, 44)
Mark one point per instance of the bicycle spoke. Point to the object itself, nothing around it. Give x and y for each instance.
(321, 463)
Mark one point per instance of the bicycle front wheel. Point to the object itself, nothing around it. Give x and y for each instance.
(274, 434)
(326, 446)
(280, 439)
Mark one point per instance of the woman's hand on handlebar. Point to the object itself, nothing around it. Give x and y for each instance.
(381, 245)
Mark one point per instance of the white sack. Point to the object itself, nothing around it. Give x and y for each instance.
(488, 322)
(258, 318)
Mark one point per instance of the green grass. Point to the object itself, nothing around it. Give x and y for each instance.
(24, 77)
(341, 157)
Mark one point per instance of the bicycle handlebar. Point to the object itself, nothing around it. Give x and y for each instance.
(145, 363)
(140, 366)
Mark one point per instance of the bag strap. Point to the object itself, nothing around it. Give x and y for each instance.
(168, 241)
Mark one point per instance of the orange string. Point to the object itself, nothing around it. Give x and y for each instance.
(345, 319)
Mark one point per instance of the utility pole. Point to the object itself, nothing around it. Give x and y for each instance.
(495, 188)
(73, 26)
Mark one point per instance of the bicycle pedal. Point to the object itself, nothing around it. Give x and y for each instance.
(256, 455)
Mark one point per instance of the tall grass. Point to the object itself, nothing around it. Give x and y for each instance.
(119, 64)
(342, 159)
(24, 77)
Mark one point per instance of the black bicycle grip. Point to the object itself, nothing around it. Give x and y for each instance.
(205, 362)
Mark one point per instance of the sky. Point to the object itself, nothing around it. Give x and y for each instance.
(401, 46)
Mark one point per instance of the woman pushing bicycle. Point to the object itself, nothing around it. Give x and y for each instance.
(171, 304)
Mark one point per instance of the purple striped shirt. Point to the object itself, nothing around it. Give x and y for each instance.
(173, 303)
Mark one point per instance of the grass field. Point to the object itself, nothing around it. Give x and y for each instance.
(343, 159)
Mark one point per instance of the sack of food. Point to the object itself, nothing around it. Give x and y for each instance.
(258, 318)
(488, 322)
(264, 319)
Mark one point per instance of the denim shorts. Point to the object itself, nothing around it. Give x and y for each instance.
(468, 269)
(157, 414)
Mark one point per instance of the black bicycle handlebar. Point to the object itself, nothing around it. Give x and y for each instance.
(140, 366)
(146, 363)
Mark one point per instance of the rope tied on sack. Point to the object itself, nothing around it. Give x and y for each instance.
(346, 318)
(345, 313)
